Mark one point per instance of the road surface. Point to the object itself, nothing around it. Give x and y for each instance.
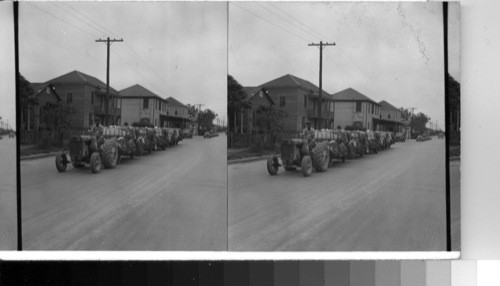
(8, 209)
(391, 201)
(169, 200)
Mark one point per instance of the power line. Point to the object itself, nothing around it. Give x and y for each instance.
(281, 28)
(92, 35)
(111, 32)
(290, 16)
(90, 19)
(283, 18)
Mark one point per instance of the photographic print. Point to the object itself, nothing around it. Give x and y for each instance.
(8, 165)
(337, 126)
(122, 142)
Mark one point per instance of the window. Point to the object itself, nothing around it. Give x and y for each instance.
(305, 101)
(389, 115)
(373, 108)
(91, 119)
(282, 101)
(92, 98)
(69, 97)
(358, 106)
(332, 106)
(176, 112)
(145, 103)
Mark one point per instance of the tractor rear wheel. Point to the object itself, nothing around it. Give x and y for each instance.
(95, 162)
(110, 154)
(61, 162)
(321, 157)
(306, 166)
(272, 165)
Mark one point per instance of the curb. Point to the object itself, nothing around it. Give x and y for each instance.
(37, 156)
(245, 160)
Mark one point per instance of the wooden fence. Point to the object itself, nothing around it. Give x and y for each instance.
(58, 138)
(259, 140)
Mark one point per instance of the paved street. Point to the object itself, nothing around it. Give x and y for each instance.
(8, 213)
(169, 200)
(391, 201)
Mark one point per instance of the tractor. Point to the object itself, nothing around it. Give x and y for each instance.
(127, 142)
(355, 145)
(300, 153)
(87, 149)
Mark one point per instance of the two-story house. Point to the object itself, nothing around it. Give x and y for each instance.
(177, 114)
(299, 99)
(390, 118)
(85, 95)
(353, 108)
(141, 105)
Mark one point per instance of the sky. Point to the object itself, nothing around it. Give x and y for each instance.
(7, 66)
(172, 49)
(387, 51)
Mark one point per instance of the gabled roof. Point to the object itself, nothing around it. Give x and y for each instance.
(289, 80)
(250, 90)
(79, 77)
(387, 106)
(172, 102)
(138, 90)
(254, 91)
(39, 87)
(351, 94)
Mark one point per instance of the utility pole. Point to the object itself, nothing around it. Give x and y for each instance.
(199, 110)
(411, 128)
(108, 42)
(320, 45)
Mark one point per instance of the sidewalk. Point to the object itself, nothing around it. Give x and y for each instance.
(240, 155)
(29, 152)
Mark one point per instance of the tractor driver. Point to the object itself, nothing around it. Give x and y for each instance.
(308, 136)
(97, 130)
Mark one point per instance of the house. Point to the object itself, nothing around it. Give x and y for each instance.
(85, 95)
(141, 105)
(390, 118)
(177, 114)
(45, 95)
(258, 98)
(353, 108)
(299, 99)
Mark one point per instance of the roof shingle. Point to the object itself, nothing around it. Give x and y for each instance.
(79, 77)
(351, 94)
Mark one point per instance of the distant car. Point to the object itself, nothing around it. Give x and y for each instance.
(208, 134)
(400, 137)
(12, 135)
(440, 136)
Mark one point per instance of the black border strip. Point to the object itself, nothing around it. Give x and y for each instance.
(18, 119)
(447, 131)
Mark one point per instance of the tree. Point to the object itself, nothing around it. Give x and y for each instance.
(192, 112)
(26, 97)
(206, 118)
(453, 94)
(235, 101)
(419, 123)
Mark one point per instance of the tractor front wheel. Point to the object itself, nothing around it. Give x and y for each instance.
(273, 165)
(306, 166)
(95, 162)
(61, 162)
